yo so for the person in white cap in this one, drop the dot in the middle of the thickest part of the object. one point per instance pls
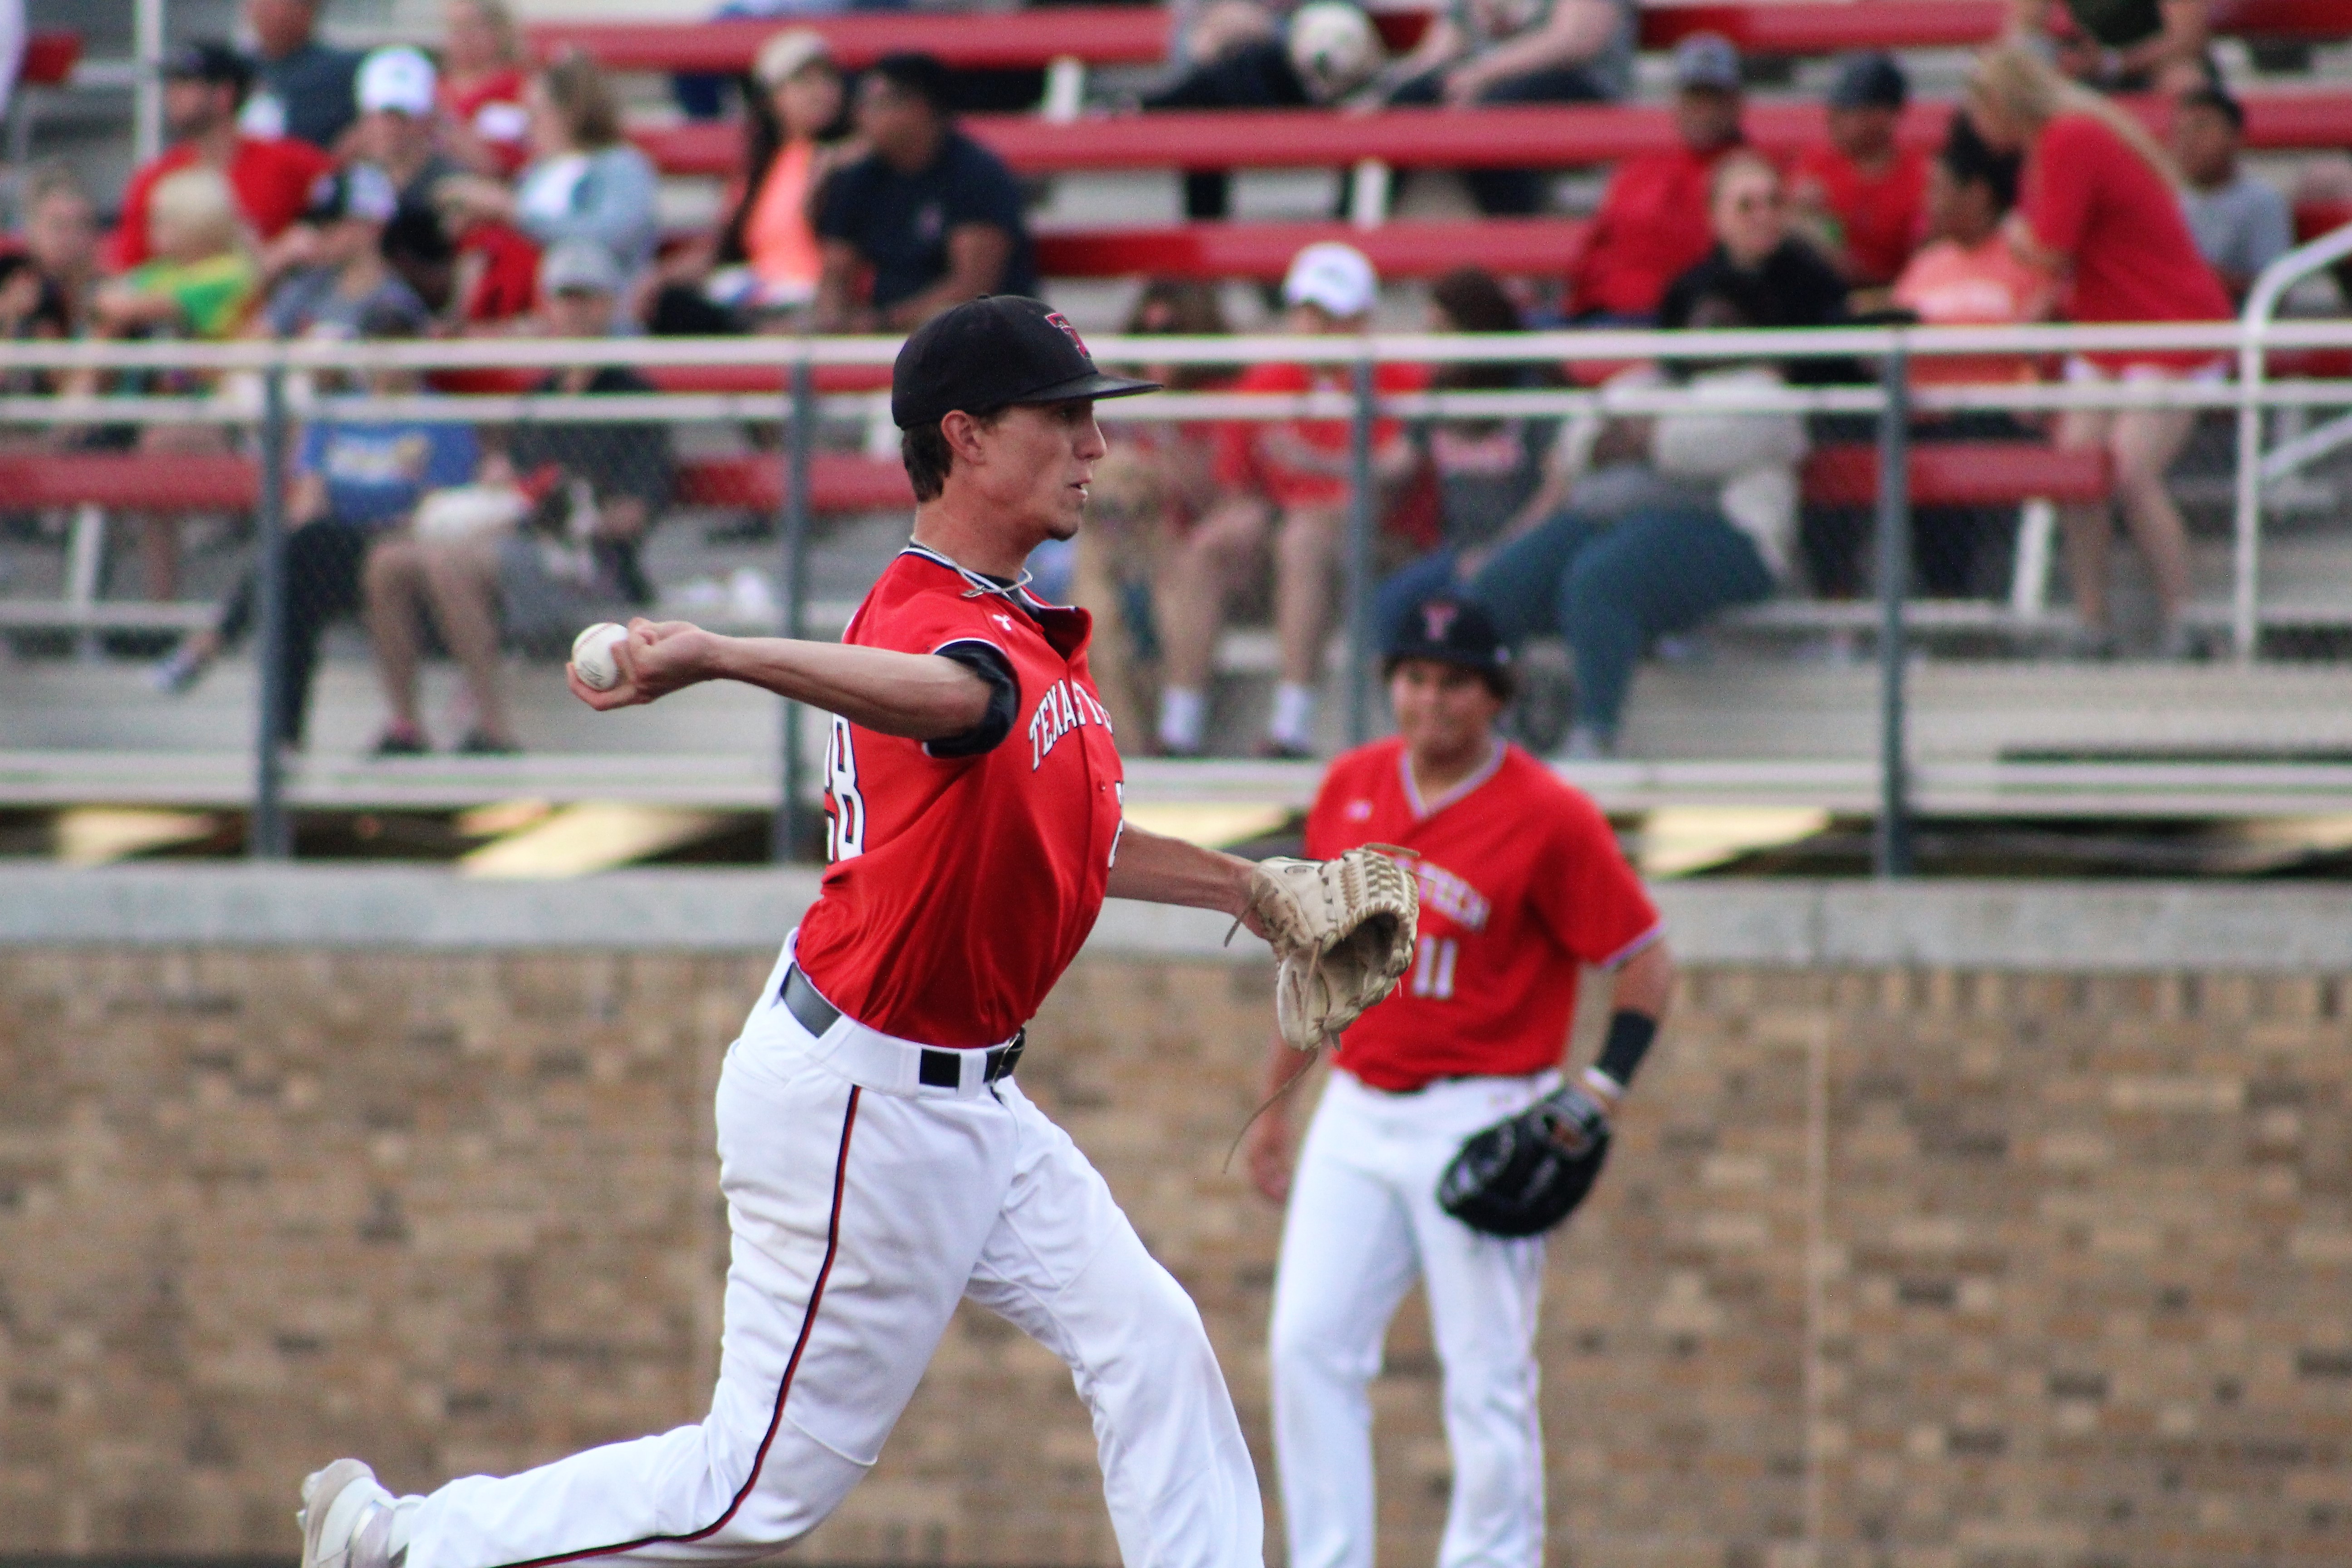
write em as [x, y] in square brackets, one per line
[398, 130]
[1284, 481]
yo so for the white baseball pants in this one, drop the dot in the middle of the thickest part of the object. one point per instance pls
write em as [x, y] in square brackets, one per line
[1363, 1225]
[859, 1217]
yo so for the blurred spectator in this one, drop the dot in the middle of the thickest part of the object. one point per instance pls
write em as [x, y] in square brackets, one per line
[1520, 51]
[1158, 480]
[1776, 278]
[584, 182]
[487, 127]
[933, 217]
[60, 236]
[1490, 472]
[345, 280]
[1861, 195]
[201, 281]
[764, 258]
[397, 130]
[1712, 524]
[31, 308]
[1287, 481]
[598, 488]
[421, 254]
[200, 278]
[1653, 222]
[1966, 276]
[203, 83]
[2121, 45]
[1237, 54]
[353, 481]
[2097, 207]
[303, 89]
[2242, 224]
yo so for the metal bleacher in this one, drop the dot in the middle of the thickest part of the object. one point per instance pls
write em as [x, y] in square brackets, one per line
[1778, 706]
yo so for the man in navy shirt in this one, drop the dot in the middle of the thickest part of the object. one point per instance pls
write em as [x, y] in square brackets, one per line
[302, 89]
[930, 217]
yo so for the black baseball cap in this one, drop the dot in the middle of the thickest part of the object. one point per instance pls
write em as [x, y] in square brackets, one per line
[1872, 80]
[207, 59]
[1454, 631]
[992, 352]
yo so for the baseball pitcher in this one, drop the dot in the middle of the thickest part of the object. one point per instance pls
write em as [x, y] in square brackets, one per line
[1448, 1141]
[879, 1161]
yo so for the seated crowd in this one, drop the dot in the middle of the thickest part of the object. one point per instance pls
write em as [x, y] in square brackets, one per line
[310, 193]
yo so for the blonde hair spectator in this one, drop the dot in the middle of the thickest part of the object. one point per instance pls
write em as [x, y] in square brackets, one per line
[2017, 88]
[193, 213]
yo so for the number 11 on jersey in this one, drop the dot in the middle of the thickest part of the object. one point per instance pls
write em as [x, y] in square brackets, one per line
[1432, 968]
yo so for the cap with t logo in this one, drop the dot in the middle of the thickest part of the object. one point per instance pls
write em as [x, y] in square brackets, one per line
[992, 352]
[1450, 631]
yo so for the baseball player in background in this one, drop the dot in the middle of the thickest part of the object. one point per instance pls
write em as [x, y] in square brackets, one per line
[879, 1161]
[1521, 882]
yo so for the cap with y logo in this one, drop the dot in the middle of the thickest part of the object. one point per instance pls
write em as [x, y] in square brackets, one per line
[992, 352]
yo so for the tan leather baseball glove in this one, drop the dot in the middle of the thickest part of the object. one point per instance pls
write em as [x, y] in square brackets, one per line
[1342, 931]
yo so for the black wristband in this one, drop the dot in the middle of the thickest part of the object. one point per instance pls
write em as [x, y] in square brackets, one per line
[1629, 1035]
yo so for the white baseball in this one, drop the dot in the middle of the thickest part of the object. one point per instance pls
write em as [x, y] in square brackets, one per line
[592, 656]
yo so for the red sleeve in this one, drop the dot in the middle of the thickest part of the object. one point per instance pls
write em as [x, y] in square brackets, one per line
[300, 167]
[2068, 164]
[1583, 285]
[126, 247]
[1592, 900]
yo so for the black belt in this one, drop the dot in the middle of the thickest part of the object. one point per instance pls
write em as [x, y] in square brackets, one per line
[939, 1068]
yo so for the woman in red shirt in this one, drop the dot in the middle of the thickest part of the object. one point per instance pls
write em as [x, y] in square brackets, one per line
[2099, 208]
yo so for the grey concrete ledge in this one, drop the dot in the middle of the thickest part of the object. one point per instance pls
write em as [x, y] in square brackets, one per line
[2043, 925]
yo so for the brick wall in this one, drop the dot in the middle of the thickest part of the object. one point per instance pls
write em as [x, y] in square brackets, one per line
[2083, 1241]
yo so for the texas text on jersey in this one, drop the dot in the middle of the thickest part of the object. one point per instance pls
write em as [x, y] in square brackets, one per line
[1521, 881]
[920, 836]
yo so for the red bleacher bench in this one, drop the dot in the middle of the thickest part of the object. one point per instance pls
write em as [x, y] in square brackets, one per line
[128, 481]
[1138, 34]
[181, 482]
[1964, 473]
[839, 483]
[1110, 34]
[1545, 136]
[1405, 249]
[49, 59]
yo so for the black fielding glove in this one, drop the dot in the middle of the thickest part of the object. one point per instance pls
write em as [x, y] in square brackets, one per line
[1523, 1176]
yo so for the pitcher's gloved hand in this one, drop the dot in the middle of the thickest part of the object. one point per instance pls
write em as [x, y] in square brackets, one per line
[1523, 1176]
[1342, 934]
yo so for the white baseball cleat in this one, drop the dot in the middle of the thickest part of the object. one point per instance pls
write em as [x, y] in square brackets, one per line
[346, 1517]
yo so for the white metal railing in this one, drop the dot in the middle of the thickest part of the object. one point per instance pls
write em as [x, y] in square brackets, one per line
[2259, 330]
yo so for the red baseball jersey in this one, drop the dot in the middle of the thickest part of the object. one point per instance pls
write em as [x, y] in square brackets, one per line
[1521, 882]
[960, 888]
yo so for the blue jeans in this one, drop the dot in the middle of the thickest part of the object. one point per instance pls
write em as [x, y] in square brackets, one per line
[1611, 588]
